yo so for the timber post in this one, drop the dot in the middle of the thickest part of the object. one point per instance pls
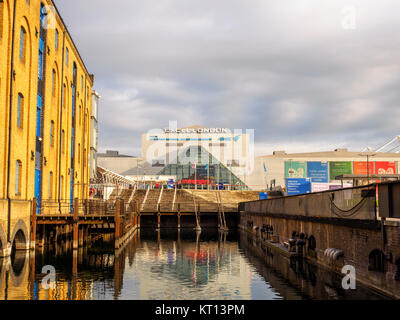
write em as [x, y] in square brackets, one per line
[75, 243]
[117, 222]
[33, 224]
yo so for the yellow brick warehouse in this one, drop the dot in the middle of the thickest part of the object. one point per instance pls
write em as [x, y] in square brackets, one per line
[45, 109]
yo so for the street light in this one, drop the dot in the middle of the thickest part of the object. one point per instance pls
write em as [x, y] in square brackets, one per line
[368, 155]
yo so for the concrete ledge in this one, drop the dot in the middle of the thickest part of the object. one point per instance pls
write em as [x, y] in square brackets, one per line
[361, 224]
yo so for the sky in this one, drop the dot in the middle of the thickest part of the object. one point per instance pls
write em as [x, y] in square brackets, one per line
[306, 75]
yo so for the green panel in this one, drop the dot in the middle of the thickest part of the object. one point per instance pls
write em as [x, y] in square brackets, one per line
[339, 168]
[295, 169]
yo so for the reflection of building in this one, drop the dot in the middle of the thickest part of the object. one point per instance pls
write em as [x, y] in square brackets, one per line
[321, 168]
[183, 266]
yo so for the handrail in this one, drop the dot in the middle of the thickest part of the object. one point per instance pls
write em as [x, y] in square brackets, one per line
[145, 198]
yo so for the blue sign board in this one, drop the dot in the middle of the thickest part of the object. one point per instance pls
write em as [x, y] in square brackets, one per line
[263, 195]
[318, 171]
[298, 186]
[171, 184]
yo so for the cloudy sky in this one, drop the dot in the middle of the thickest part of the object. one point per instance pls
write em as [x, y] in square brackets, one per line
[297, 72]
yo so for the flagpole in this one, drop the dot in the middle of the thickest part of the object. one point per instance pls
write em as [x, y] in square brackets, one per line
[208, 176]
[195, 175]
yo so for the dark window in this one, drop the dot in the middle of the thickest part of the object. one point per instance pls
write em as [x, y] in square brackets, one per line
[377, 261]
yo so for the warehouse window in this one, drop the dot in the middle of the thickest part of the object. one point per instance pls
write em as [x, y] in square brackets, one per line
[52, 133]
[376, 261]
[18, 172]
[84, 158]
[62, 187]
[64, 95]
[1, 17]
[50, 185]
[56, 39]
[66, 56]
[62, 141]
[53, 83]
[22, 41]
[20, 108]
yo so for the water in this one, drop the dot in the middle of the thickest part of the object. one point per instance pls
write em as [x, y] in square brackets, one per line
[172, 266]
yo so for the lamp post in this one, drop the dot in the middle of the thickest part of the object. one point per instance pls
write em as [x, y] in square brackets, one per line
[368, 155]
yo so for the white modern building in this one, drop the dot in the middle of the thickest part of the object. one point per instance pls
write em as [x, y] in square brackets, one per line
[321, 168]
[94, 140]
[233, 149]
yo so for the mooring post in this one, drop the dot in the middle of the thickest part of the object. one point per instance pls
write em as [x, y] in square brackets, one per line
[81, 236]
[158, 216]
[33, 224]
[138, 215]
[117, 222]
[75, 243]
[179, 215]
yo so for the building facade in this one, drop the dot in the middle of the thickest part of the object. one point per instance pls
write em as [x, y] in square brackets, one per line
[45, 109]
[94, 135]
[218, 149]
[320, 168]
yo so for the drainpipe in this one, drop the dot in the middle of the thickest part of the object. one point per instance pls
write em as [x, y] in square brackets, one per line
[84, 142]
[61, 127]
[10, 125]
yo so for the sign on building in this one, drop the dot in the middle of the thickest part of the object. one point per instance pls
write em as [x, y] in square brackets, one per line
[339, 168]
[295, 169]
[385, 167]
[318, 171]
[363, 167]
[296, 186]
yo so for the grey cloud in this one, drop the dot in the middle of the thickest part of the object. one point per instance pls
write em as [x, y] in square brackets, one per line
[288, 70]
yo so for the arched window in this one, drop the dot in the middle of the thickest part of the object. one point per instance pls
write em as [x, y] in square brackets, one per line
[376, 261]
[22, 44]
[18, 172]
[312, 243]
[20, 110]
[397, 275]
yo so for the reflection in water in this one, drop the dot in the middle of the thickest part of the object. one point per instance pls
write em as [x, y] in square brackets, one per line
[170, 264]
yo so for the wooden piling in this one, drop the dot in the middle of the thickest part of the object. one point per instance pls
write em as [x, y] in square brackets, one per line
[75, 243]
[33, 224]
[117, 222]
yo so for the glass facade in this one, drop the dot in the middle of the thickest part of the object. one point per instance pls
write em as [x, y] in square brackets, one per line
[196, 166]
